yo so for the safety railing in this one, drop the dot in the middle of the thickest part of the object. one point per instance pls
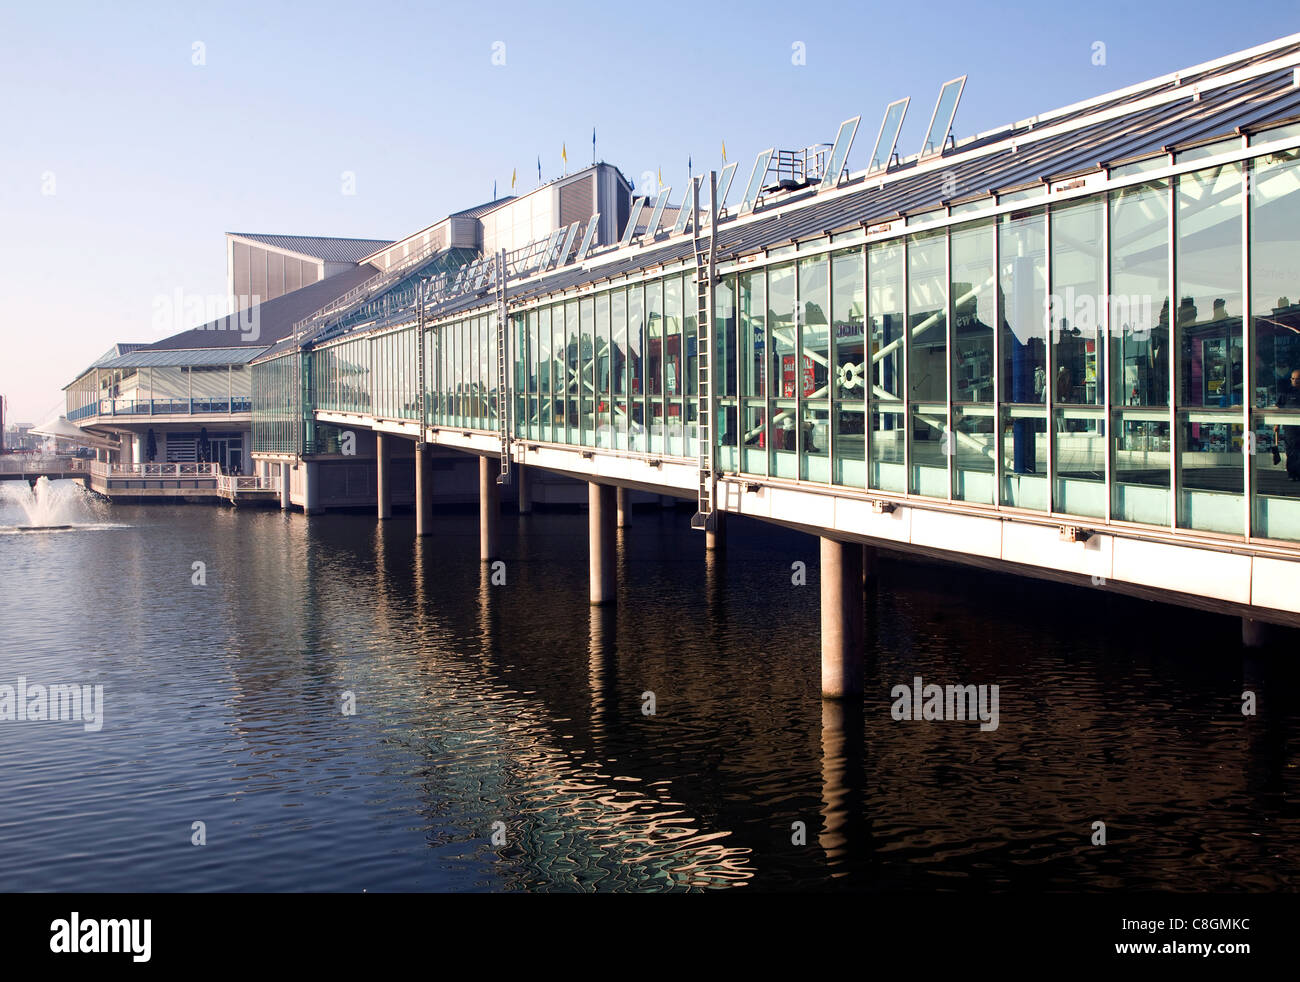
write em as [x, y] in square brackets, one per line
[164, 407]
[233, 484]
[174, 469]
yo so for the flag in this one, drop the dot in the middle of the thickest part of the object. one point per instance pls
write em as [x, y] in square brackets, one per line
[724, 151]
[514, 173]
[564, 155]
[690, 168]
[494, 190]
[661, 177]
[593, 144]
[539, 169]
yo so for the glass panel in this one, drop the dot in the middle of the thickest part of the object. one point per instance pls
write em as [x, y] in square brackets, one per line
[888, 135]
[1024, 458]
[1275, 343]
[780, 319]
[630, 230]
[572, 377]
[753, 381]
[688, 206]
[1021, 241]
[1080, 436]
[546, 404]
[587, 369]
[974, 283]
[927, 318]
[1141, 467]
[618, 368]
[637, 438]
[840, 152]
[885, 312]
[1077, 304]
[674, 384]
[944, 111]
[848, 320]
[690, 365]
[657, 215]
[756, 180]
[1209, 325]
[1139, 286]
[654, 302]
[1139, 318]
[814, 369]
[587, 238]
[726, 420]
[973, 453]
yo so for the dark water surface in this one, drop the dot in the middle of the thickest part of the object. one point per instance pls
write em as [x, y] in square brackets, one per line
[518, 704]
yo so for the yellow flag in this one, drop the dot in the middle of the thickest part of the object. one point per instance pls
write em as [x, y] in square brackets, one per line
[661, 177]
[724, 151]
[564, 152]
[513, 174]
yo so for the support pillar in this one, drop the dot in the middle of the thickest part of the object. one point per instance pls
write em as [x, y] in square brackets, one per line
[602, 534]
[843, 637]
[524, 485]
[310, 488]
[667, 502]
[624, 508]
[423, 488]
[1254, 634]
[716, 538]
[285, 484]
[383, 475]
[489, 507]
[125, 455]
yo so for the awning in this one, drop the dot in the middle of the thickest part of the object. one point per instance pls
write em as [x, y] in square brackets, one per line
[61, 429]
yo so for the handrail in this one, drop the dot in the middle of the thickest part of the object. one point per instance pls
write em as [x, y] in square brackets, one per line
[171, 469]
[367, 288]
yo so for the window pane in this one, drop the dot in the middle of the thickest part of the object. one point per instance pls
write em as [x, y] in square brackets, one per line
[1077, 304]
[1139, 318]
[814, 368]
[1211, 463]
[848, 335]
[1021, 242]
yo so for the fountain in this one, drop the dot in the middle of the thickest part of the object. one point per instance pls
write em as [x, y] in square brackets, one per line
[48, 506]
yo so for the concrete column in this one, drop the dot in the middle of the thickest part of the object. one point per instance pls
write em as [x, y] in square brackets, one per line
[383, 475]
[843, 638]
[523, 483]
[489, 507]
[126, 455]
[285, 482]
[310, 488]
[603, 538]
[667, 501]
[1254, 634]
[717, 538]
[423, 488]
[624, 508]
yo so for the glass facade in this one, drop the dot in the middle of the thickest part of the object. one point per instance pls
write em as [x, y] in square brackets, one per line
[1130, 356]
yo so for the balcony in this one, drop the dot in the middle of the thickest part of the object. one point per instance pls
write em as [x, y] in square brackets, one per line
[162, 407]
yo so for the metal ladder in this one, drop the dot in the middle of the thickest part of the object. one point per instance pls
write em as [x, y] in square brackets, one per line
[705, 267]
[503, 366]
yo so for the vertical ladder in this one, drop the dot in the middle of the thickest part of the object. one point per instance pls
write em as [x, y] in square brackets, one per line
[503, 399]
[705, 267]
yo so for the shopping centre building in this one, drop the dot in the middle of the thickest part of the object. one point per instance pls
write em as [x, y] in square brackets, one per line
[1064, 346]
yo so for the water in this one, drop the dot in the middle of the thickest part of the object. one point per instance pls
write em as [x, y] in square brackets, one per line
[518, 704]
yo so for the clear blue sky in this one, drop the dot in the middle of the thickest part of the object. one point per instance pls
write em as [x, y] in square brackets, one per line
[153, 158]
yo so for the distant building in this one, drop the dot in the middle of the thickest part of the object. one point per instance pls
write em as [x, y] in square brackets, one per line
[269, 266]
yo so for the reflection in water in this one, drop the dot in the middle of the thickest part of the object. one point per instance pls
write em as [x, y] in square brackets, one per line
[519, 703]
